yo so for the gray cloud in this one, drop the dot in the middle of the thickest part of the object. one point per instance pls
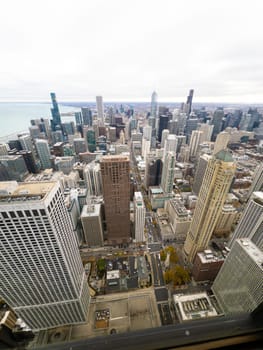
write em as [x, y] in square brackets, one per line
[124, 50]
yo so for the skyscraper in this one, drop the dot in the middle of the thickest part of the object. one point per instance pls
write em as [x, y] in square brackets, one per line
[92, 177]
[41, 275]
[257, 183]
[13, 167]
[163, 124]
[189, 102]
[43, 153]
[116, 192]
[139, 216]
[207, 132]
[215, 186]
[165, 134]
[195, 142]
[239, 284]
[221, 142]
[92, 225]
[251, 222]
[217, 121]
[100, 109]
[154, 105]
[153, 170]
[191, 124]
[87, 115]
[168, 172]
[200, 172]
[56, 119]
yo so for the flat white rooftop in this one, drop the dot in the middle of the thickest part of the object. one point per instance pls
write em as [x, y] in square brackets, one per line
[194, 306]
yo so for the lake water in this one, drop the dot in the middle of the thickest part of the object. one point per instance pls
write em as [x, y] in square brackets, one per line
[15, 117]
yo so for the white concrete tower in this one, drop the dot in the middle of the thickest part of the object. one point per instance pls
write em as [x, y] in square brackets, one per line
[168, 173]
[139, 216]
[100, 109]
[41, 276]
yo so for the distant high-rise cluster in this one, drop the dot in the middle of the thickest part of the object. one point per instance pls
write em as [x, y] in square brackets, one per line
[95, 200]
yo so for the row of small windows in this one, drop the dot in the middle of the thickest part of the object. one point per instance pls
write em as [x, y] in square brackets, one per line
[21, 214]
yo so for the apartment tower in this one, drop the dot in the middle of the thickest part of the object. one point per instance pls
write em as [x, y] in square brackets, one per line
[215, 186]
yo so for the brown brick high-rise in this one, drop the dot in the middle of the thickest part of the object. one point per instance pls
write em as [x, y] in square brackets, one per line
[116, 191]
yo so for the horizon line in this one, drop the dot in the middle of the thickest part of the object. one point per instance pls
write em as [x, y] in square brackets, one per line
[129, 101]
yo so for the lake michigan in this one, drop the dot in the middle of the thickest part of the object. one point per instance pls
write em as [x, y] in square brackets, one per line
[15, 116]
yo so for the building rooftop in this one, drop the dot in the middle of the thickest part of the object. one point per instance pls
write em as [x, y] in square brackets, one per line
[224, 156]
[253, 251]
[115, 158]
[11, 191]
[194, 306]
[91, 210]
[156, 190]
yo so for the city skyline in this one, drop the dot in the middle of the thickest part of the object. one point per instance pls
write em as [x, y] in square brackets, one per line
[127, 51]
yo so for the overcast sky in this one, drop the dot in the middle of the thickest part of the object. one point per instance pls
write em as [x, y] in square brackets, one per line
[125, 49]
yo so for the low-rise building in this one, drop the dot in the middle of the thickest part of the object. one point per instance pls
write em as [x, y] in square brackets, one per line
[193, 306]
[206, 265]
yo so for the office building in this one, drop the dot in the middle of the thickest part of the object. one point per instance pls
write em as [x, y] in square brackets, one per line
[26, 143]
[100, 109]
[58, 149]
[146, 147]
[195, 141]
[257, 183]
[147, 132]
[227, 219]
[64, 164]
[217, 122]
[189, 101]
[251, 222]
[179, 217]
[207, 132]
[139, 217]
[112, 134]
[56, 119]
[154, 105]
[207, 265]
[170, 144]
[41, 278]
[165, 134]
[14, 144]
[12, 167]
[167, 180]
[78, 118]
[218, 176]
[4, 148]
[92, 225]
[30, 162]
[43, 152]
[221, 142]
[163, 124]
[153, 170]
[191, 125]
[200, 172]
[116, 192]
[79, 145]
[90, 139]
[93, 180]
[239, 284]
[181, 141]
[86, 116]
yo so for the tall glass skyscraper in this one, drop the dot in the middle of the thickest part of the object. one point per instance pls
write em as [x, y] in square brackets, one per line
[56, 119]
